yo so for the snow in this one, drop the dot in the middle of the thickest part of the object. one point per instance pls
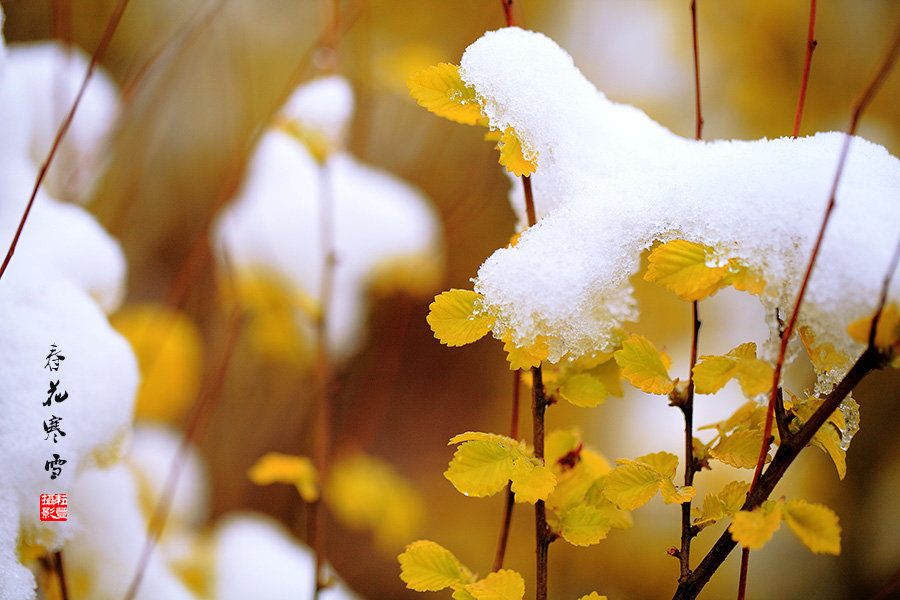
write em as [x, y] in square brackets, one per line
[610, 182]
[379, 221]
[65, 275]
[255, 557]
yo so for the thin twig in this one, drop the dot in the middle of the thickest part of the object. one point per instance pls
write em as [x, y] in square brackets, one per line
[690, 466]
[810, 46]
[789, 448]
[699, 129]
[60, 575]
[508, 12]
[542, 531]
[510, 497]
[208, 396]
[858, 109]
[324, 370]
[882, 299]
[111, 25]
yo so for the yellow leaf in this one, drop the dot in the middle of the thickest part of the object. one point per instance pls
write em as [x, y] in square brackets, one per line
[560, 443]
[618, 518]
[610, 376]
[169, 351]
[743, 279]
[822, 356]
[512, 155]
[366, 494]
[642, 366]
[683, 268]
[713, 372]
[582, 389]
[531, 481]
[276, 467]
[663, 463]
[441, 90]
[740, 449]
[828, 439]
[752, 529]
[456, 317]
[429, 567]
[816, 525]
[504, 584]
[481, 467]
[887, 337]
[733, 495]
[593, 596]
[713, 510]
[525, 357]
[583, 525]
[672, 494]
[631, 485]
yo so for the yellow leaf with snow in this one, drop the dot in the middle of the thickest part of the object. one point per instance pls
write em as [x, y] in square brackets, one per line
[525, 357]
[752, 529]
[682, 267]
[643, 366]
[440, 89]
[456, 317]
[822, 356]
[887, 335]
[816, 525]
[169, 351]
[512, 155]
[276, 467]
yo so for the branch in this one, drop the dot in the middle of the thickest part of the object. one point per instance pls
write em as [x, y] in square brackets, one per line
[111, 25]
[510, 497]
[208, 395]
[810, 46]
[699, 131]
[60, 575]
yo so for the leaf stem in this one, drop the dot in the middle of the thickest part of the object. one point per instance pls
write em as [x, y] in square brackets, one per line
[810, 46]
[694, 36]
[111, 26]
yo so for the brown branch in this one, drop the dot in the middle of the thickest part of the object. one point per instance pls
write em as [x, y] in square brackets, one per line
[60, 575]
[690, 465]
[510, 497]
[543, 536]
[508, 12]
[787, 452]
[208, 396]
[111, 25]
[789, 448]
[810, 46]
[324, 367]
[699, 129]
[882, 299]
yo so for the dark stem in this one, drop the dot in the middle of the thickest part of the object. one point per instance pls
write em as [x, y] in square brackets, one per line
[510, 497]
[742, 581]
[690, 467]
[790, 447]
[508, 12]
[788, 450]
[529, 200]
[111, 25]
[542, 531]
[324, 368]
[208, 395]
[699, 130]
[882, 300]
[810, 46]
[60, 575]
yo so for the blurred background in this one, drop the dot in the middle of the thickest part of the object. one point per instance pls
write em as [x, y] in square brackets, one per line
[200, 79]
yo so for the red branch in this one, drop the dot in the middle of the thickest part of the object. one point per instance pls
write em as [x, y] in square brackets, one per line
[111, 26]
[810, 46]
